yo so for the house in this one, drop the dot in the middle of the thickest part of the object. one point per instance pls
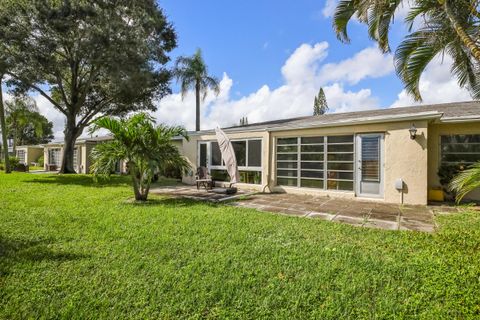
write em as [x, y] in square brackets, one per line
[28, 154]
[53, 153]
[392, 155]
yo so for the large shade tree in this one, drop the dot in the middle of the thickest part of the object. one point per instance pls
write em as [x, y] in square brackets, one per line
[147, 149]
[88, 58]
[192, 73]
[435, 27]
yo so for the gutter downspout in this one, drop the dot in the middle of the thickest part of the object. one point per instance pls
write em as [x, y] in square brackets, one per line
[269, 155]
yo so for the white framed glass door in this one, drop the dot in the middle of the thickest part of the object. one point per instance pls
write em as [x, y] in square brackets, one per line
[370, 165]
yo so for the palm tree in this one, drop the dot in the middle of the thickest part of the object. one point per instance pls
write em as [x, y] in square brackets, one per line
[146, 149]
[192, 73]
[21, 113]
[446, 29]
[466, 181]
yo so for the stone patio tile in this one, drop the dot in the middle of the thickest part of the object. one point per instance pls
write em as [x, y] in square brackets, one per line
[417, 226]
[349, 220]
[291, 212]
[320, 215]
[381, 224]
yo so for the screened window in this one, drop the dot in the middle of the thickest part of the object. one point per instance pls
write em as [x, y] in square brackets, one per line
[75, 158]
[216, 155]
[460, 149]
[203, 155]
[248, 153]
[316, 162]
[54, 157]
[21, 156]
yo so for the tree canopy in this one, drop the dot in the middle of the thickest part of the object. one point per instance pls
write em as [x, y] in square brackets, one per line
[88, 58]
[320, 105]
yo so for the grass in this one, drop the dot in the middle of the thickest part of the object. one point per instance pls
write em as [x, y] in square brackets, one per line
[73, 249]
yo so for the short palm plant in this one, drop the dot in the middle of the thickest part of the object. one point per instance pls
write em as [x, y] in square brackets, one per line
[466, 181]
[146, 149]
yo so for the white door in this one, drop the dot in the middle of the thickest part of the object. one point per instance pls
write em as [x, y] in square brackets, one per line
[369, 157]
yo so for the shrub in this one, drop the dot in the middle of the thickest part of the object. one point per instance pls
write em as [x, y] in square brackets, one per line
[41, 161]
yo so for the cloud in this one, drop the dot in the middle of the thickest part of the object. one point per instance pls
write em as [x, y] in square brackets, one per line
[368, 63]
[303, 75]
[329, 8]
[437, 85]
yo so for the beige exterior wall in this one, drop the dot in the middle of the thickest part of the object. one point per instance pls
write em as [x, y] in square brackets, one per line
[437, 130]
[190, 151]
[32, 153]
[403, 158]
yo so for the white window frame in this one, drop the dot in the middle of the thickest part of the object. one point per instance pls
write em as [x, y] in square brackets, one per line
[23, 158]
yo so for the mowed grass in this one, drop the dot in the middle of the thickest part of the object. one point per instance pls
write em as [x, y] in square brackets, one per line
[74, 249]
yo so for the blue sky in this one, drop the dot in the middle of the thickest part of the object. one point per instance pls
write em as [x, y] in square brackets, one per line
[250, 40]
[263, 48]
[273, 56]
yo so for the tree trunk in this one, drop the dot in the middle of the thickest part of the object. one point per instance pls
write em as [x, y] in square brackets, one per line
[197, 104]
[462, 34]
[3, 127]
[72, 132]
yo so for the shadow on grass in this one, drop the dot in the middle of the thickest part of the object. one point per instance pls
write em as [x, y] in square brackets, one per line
[14, 251]
[82, 180]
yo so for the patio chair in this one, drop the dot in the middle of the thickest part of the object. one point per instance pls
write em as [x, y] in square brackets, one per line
[202, 178]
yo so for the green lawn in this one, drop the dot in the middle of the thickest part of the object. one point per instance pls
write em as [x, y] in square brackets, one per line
[73, 249]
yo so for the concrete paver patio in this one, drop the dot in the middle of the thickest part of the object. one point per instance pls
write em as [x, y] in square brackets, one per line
[351, 211]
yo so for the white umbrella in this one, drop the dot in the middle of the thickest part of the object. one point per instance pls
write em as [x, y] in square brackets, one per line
[228, 155]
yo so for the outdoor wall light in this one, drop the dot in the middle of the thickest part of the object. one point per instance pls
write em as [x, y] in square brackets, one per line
[413, 132]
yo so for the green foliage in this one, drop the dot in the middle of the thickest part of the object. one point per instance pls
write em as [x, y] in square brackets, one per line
[41, 161]
[435, 27]
[26, 124]
[88, 57]
[192, 73]
[74, 249]
[466, 181]
[320, 105]
[146, 149]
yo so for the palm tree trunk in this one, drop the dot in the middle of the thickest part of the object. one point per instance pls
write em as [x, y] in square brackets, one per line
[462, 34]
[197, 104]
[3, 127]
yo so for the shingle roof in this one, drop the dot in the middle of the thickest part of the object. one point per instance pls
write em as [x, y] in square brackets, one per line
[469, 110]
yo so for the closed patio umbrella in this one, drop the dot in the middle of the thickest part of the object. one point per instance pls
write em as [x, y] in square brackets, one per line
[228, 155]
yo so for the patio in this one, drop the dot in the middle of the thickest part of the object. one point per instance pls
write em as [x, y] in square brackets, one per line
[354, 212]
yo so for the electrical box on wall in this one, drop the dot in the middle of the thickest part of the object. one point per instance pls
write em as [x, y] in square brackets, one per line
[399, 184]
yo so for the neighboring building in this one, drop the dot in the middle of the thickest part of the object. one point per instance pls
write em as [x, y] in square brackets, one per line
[53, 153]
[367, 154]
[28, 154]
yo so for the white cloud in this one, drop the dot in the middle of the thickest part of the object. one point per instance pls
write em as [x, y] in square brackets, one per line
[329, 8]
[368, 63]
[436, 85]
[303, 75]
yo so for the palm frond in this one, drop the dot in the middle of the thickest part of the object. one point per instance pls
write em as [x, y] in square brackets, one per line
[466, 181]
[342, 16]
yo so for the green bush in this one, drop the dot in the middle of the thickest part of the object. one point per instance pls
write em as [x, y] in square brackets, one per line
[40, 161]
[14, 161]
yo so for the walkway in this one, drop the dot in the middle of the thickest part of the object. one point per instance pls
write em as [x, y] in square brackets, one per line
[350, 211]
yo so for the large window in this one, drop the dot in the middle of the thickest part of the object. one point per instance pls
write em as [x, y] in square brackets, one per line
[460, 149]
[54, 156]
[75, 158]
[21, 156]
[248, 153]
[310, 161]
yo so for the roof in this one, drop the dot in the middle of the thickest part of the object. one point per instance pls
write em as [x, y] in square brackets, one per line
[446, 112]
[83, 140]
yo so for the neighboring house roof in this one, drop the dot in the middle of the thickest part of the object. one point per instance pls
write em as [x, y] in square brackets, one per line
[82, 140]
[447, 112]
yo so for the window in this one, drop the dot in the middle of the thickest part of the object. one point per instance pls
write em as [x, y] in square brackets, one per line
[460, 149]
[316, 162]
[203, 155]
[75, 158]
[21, 156]
[54, 156]
[248, 153]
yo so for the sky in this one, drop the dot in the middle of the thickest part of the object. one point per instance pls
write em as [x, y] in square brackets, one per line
[271, 58]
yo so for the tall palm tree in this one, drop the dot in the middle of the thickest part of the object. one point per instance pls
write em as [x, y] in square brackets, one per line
[192, 73]
[447, 27]
[21, 112]
[146, 149]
